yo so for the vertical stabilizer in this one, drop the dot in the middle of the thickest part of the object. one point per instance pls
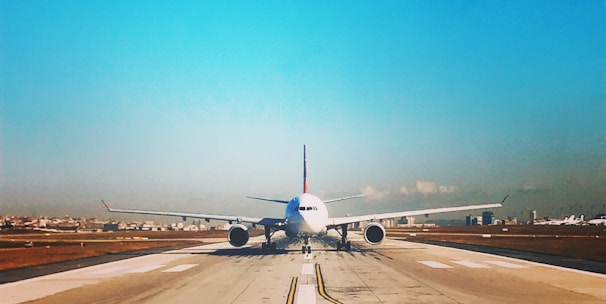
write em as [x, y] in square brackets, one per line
[305, 185]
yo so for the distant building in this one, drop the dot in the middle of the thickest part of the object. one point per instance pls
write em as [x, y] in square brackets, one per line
[388, 223]
[472, 220]
[110, 227]
[407, 221]
[511, 220]
[487, 217]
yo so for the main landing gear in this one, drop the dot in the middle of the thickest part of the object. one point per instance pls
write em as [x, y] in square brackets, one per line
[343, 244]
[268, 245]
[306, 247]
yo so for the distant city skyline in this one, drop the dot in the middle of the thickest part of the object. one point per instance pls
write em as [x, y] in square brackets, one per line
[192, 106]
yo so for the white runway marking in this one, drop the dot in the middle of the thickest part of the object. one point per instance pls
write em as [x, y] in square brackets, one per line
[180, 268]
[39, 287]
[143, 269]
[307, 269]
[471, 264]
[114, 269]
[434, 264]
[306, 294]
[505, 264]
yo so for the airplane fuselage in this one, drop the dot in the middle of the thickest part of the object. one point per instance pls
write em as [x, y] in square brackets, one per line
[306, 216]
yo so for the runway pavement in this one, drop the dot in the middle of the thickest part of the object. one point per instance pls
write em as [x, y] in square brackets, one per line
[393, 272]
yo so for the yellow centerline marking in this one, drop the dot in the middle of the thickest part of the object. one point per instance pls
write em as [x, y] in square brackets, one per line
[321, 289]
[291, 293]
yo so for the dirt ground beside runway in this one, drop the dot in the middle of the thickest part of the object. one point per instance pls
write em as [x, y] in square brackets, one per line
[579, 242]
[58, 247]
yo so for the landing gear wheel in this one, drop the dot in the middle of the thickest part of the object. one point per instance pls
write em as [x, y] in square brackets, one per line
[343, 244]
[268, 245]
[303, 249]
[308, 249]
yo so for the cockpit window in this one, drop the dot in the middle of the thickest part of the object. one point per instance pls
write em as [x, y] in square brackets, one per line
[302, 208]
[309, 208]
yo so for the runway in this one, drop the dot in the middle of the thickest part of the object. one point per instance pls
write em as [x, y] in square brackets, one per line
[393, 272]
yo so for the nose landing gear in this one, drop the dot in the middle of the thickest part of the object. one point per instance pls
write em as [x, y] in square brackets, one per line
[306, 247]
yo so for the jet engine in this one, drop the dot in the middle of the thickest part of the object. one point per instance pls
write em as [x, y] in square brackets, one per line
[374, 233]
[237, 235]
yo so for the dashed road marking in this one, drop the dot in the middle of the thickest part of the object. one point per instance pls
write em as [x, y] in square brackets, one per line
[307, 269]
[180, 268]
[306, 294]
[471, 264]
[113, 269]
[434, 264]
[146, 268]
[506, 264]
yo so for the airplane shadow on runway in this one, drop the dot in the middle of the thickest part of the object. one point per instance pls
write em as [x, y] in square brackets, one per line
[285, 245]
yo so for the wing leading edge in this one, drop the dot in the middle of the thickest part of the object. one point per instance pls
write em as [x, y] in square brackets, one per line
[276, 222]
[336, 221]
[286, 202]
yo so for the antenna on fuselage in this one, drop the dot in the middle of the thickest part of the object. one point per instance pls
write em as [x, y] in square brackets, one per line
[305, 184]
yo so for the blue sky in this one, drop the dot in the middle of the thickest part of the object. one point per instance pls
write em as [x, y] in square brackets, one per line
[193, 105]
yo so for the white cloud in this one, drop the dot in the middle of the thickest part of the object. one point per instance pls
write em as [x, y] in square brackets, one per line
[426, 187]
[373, 194]
[529, 188]
[447, 189]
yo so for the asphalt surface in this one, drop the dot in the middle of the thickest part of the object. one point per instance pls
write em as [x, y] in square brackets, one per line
[20, 274]
[556, 260]
[393, 272]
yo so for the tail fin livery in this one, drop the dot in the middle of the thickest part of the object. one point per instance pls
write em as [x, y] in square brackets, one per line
[305, 184]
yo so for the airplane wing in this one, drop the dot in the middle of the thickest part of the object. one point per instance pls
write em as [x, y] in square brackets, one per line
[268, 199]
[335, 221]
[286, 202]
[342, 198]
[276, 222]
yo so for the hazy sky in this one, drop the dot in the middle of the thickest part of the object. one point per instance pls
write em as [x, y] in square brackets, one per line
[193, 105]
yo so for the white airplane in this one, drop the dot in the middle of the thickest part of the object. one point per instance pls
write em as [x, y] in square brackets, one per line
[566, 221]
[598, 221]
[576, 221]
[305, 217]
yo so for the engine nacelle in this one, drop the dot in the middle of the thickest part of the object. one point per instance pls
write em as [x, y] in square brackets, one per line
[374, 233]
[237, 235]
